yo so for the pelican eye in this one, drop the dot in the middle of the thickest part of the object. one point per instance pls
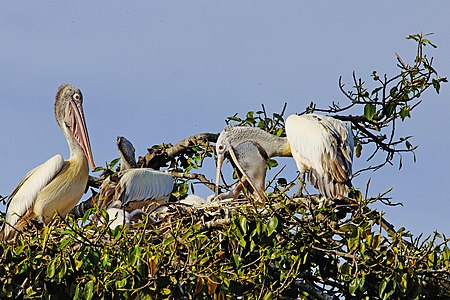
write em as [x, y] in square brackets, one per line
[221, 147]
[76, 97]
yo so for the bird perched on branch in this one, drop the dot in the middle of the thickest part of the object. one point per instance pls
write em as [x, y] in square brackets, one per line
[249, 158]
[57, 185]
[322, 146]
[136, 188]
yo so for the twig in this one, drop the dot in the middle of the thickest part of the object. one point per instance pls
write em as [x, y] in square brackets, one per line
[199, 177]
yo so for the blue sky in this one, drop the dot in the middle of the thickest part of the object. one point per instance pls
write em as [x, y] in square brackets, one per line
[161, 71]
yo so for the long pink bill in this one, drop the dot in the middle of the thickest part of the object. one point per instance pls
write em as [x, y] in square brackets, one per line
[80, 131]
[220, 159]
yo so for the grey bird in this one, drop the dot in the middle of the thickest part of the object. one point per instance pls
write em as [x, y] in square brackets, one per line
[136, 188]
[321, 146]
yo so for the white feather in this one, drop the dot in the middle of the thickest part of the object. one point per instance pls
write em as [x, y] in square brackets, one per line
[144, 184]
[322, 145]
[26, 192]
[117, 217]
[193, 200]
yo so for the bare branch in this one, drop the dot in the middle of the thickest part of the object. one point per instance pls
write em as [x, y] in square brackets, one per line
[158, 157]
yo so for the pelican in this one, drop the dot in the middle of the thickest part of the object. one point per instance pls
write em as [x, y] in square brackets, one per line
[195, 200]
[57, 185]
[136, 188]
[250, 160]
[118, 216]
[321, 146]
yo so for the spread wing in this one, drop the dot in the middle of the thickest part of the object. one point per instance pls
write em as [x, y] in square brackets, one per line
[323, 146]
[26, 192]
[144, 184]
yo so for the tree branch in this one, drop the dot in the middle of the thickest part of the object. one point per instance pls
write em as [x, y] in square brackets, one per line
[158, 157]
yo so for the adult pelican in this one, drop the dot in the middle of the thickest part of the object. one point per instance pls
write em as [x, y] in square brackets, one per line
[136, 188]
[322, 146]
[57, 185]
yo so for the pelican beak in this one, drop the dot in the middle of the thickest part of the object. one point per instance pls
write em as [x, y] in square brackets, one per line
[220, 159]
[78, 128]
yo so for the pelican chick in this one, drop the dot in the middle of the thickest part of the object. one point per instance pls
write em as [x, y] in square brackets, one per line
[136, 188]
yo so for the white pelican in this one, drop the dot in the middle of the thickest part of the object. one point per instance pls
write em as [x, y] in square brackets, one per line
[56, 185]
[136, 188]
[321, 146]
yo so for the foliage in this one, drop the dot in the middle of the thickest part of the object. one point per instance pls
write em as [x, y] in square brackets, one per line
[391, 100]
[290, 248]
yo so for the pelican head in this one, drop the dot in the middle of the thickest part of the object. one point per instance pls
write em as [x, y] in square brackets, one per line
[127, 153]
[70, 117]
[223, 146]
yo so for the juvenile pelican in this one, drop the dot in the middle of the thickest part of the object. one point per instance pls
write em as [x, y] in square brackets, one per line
[118, 216]
[136, 188]
[321, 146]
[56, 185]
[250, 160]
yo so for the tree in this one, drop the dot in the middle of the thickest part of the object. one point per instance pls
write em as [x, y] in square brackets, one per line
[290, 248]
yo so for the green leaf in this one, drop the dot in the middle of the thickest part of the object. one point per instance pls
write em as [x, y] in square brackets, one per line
[234, 118]
[183, 189]
[382, 287]
[353, 240]
[405, 112]
[369, 111]
[114, 162]
[62, 271]
[89, 290]
[243, 224]
[77, 291]
[271, 163]
[97, 169]
[65, 241]
[121, 283]
[268, 296]
[348, 227]
[29, 292]
[169, 241]
[51, 269]
[353, 286]
[272, 225]
[390, 108]
[135, 255]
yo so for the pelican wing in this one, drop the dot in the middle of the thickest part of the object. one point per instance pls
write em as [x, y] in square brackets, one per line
[26, 192]
[323, 146]
[144, 184]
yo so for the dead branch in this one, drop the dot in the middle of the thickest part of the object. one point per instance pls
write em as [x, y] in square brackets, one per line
[199, 177]
[158, 157]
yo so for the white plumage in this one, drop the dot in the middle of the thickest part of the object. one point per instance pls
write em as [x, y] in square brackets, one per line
[323, 147]
[136, 187]
[56, 185]
[118, 216]
[26, 192]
